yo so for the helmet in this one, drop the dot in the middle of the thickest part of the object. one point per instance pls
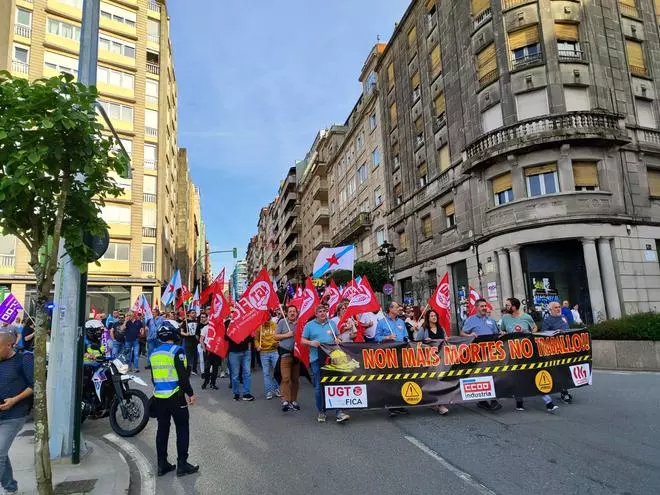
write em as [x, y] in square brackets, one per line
[169, 330]
[93, 331]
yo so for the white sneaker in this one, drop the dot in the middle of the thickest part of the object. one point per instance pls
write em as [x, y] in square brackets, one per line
[321, 418]
[222, 375]
[341, 417]
[278, 393]
[269, 396]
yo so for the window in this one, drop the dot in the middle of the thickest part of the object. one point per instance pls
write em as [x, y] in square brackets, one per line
[117, 14]
[375, 158]
[373, 123]
[350, 186]
[654, 182]
[576, 99]
[148, 253]
[366, 245]
[585, 174]
[128, 146]
[380, 237]
[414, 83]
[542, 180]
[363, 174]
[636, 58]
[365, 206]
[117, 111]
[629, 7]
[61, 63]
[487, 65]
[492, 118]
[390, 75]
[398, 194]
[439, 106]
[342, 197]
[395, 156]
[7, 245]
[360, 141]
[22, 56]
[412, 38]
[63, 29]
[427, 226]
[150, 156]
[436, 62]
[645, 114]
[151, 122]
[115, 45]
[479, 6]
[117, 252]
[532, 104]
[116, 214]
[371, 82]
[115, 78]
[149, 217]
[403, 240]
[419, 131]
[393, 115]
[524, 46]
[443, 158]
[23, 18]
[73, 3]
[423, 174]
[378, 197]
[150, 184]
[502, 189]
[152, 91]
[567, 41]
[153, 31]
[450, 215]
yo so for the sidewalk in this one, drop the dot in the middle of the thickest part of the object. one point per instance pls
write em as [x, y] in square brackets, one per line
[102, 469]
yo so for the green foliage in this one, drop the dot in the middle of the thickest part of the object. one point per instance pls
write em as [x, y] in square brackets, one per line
[49, 139]
[642, 326]
[375, 273]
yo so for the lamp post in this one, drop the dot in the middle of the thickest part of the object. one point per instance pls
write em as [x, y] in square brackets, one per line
[387, 252]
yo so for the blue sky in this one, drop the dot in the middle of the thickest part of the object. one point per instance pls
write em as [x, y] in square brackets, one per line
[255, 85]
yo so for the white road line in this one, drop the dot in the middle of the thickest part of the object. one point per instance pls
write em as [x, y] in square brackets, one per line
[147, 476]
[466, 477]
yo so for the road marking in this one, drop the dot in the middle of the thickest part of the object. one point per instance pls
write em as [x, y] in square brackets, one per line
[466, 477]
[626, 372]
[147, 476]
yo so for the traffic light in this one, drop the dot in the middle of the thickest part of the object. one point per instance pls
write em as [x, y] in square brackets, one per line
[234, 252]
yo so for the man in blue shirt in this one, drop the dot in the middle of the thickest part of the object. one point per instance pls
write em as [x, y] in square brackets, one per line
[391, 328]
[319, 331]
[557, 322]
[566, 312]
[475, 326]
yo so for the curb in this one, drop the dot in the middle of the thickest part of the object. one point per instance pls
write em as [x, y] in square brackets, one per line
[132, 455]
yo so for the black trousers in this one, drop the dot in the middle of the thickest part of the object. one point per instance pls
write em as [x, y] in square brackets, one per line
[190, 347]
[212, 363]
[172, 408]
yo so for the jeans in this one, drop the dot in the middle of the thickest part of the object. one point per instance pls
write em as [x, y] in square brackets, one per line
[268, 362]
[290, 369]
[236, 360]
[134, 354]
[152, 344]
[9, 428]
[117, 348]
[315, 368]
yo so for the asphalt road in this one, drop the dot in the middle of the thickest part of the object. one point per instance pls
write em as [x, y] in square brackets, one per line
[607, 441]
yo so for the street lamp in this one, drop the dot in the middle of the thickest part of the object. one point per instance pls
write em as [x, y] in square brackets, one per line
[387, 251]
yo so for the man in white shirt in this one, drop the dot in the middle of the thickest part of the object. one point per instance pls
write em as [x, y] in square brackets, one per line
[370, 321]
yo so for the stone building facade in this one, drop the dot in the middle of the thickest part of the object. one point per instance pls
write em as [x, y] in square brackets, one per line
[523, 155]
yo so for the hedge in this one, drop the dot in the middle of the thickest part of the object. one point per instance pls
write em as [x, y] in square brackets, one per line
[641, 326]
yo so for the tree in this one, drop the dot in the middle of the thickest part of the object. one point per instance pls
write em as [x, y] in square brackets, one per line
[375, 272]
[56, 169]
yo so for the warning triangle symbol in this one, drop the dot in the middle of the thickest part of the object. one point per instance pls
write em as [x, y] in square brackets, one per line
[544, 379]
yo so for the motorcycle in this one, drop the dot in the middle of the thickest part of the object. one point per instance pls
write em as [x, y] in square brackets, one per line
[107, 393]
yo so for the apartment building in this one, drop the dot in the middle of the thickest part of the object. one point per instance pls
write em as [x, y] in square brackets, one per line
[523, 152]
[137, 88]
[357, 187]
[286, 213]
[189, 225]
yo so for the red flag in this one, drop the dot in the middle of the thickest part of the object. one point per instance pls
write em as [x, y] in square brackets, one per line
[334, 297]
[363, 300]
[309, 300]
[472, 308]
[439, 302]
[220, 309]
[253, 308]
[297, 299]
[217, 284]
[360, 328]
[185, 296]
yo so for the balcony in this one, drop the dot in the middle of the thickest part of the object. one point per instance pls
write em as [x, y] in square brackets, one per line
[538, 132]
[148, 267]
[289, 215]
[629, 11]
[319, 189]
[20, 67]
[488, 78]
[289, 200]
[154, 5]
[291, 247]
[361, 222]
[7, 260]
[572, 56]
[149, 197]
[153, 38]
[150, 164]
[525, 61]
[419, 141]
[321, 242]
[439, 122]
[21, 30]
[321, 216]
[482, 17]
[289, 268]
[153, 68]
[151, 131]
[148, 231]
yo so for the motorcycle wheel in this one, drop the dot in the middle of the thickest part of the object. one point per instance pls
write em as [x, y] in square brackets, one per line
[137, 406]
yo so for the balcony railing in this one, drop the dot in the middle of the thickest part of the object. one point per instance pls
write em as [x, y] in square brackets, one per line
[629, 10]
[357, 225]
[440, 121]
[572, 125]
[520, 62]
[649, 136]
[148, 231]
[7, 260]
[21, 67]
[21, 30]
[150, 164]
[148, 267]
[153, 68]
[571, 56]
[488, 77]
[153, 5]
[638, 71]
[509, 4]
[153, 38]
[319, 188]
[149, 197]
[321, 216]
[482, 17]
[151, 131]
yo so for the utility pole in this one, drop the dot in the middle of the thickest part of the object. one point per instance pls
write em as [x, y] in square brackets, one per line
[66, 350]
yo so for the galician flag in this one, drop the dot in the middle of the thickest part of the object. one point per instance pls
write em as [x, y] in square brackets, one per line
[170, 293]
[195, 305]
[336, 258]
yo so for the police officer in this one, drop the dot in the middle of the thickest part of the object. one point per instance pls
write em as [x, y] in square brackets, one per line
[172, 396]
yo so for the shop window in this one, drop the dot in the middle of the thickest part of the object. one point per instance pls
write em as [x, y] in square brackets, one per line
[542, 180]
[585, 174]
[502, 189]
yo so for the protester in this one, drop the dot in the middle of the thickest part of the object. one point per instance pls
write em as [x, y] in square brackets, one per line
[319, 331]
[392, 327]
[266, 345]
[118, 335]
[430, 329]
[289, 365]
[188, 332]
[576, 315]
[554, 322]
[411, 323]
[152, 329]
[16, 386]
[133, 330]
[111, 319]
[475, 326]
[370, 321]
[27, 334]
[566, 312]
[348, 330]
[212, 361]
[239, 357]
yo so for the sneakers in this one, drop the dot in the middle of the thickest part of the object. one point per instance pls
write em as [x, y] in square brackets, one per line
[163, 468]
[194, 374]
[222, 374]
[186, 468]
[550, 407]
[237, 397]
[495, 406]
[269, 395]
[137, 370]
[321, 418]
[398, 411]
[295, 406]
[442, 410]
[520, 406]
[248, 397]
[204, 385]
[341, 417]
[286, 406]
[278, 393]
[566, 397]
[214, 386]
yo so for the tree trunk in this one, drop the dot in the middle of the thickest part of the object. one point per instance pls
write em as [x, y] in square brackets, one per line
[42, 466]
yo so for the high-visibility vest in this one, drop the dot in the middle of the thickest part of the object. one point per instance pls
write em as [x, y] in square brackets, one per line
[163, 371]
